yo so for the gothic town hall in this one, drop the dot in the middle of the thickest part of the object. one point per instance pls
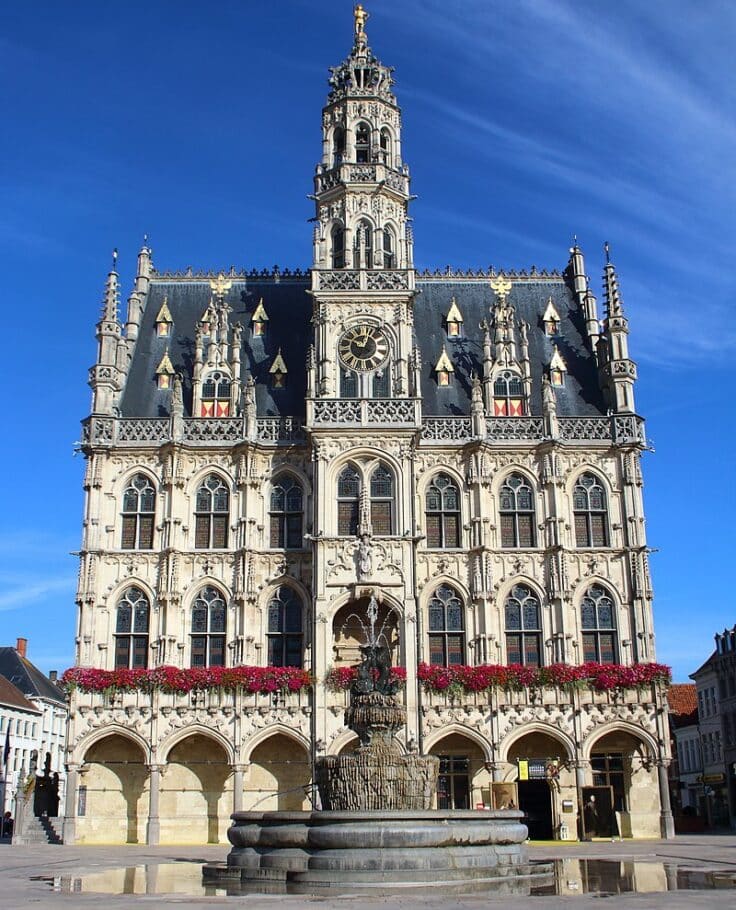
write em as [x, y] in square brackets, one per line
[268, 451]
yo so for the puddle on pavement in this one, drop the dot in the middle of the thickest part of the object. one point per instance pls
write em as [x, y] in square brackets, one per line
[570, 876]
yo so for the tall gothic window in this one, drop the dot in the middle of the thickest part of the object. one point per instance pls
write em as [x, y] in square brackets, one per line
[381, 383]
[385, 140]
[338, 146]
[516, 502]
[348, 383]
[446, 628]
[389, 249]
[285, 629]
[363, 143]
[442, 516]
[363, 254]
[508, 395]
[382, 501]
[598, 622]
[216, 396]
[131, 630]
[591, 512]
[208, 628]
[139, 506]
[338, 247]
[348, 501]
[212, 513]
[286, 513]
[523, 627]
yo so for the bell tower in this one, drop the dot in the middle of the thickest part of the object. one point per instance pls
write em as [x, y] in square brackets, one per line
[362, 274]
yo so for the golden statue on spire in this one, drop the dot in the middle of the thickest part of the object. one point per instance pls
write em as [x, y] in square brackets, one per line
[361, 17]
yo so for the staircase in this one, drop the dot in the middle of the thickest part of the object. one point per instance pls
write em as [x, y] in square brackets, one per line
[40, 831]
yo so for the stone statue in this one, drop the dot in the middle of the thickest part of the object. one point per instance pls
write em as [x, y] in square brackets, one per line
[365, 557]
[549, 399]
[177, 397]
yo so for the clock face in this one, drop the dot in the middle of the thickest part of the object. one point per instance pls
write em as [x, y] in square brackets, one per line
[363, 347]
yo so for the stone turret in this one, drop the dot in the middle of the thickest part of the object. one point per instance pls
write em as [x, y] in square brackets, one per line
[105, 377]
[617, 371]
[575, 271]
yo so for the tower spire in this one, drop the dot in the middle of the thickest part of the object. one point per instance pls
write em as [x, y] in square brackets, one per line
[618, 372]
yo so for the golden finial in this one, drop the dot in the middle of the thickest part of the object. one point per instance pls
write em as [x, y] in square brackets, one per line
[220, 286]
[361, 17]
[501, 287]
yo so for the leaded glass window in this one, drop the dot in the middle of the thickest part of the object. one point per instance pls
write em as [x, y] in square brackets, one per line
[212, 513]
[591, 512]
[209, 617]
[382, 501]
[363, 143]
[381, 383]
[598, 623]
[442, 516]
[522, 613]
[139, 507]
[446, 628]
[286, 513]
[389, 249]
[131, 630]
[348, 384]
[508, 395]
[216, 396]
[516, 500]
[285, 629]
[363, 246]
[348, 501]
[338, 247]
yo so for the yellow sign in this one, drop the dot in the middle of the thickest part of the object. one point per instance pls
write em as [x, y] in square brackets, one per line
[523, 769]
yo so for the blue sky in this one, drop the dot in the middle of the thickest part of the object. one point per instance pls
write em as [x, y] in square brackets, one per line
[525, 122]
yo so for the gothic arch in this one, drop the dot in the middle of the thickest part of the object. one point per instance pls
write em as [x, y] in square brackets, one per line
[619, 726]
[432, 739]
[365, 460]
[203, 473]
[282, 468]
[80, 749]
[431, 473]
[177, 736]
[525, 472]
[111, 598]
[344, 738]
[191, 590]
[584, 584]
[123, 480]
[536, 727]
[600, 475]
[273, 730]
[431, 585]
[505, 589]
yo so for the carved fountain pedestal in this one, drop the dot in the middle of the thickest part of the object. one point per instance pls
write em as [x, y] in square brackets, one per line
[377, 827]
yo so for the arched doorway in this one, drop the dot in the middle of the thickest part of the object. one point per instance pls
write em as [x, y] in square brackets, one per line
[112, 801]
[624, 783]
[545, 787]
[279, 775]
[349, 631]
[196, 792]
[463, 781]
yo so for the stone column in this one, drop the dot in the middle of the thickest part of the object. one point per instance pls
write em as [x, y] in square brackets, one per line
[581, 767]
[666, 821]
[153, 827]
[70, 804]
[238, 778]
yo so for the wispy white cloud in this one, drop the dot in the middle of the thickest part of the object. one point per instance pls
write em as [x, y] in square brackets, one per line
[34, 590]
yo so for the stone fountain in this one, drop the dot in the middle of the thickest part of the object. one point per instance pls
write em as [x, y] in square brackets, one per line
[376, 827]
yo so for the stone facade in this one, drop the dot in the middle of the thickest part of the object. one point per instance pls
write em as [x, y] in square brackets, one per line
[267, 451]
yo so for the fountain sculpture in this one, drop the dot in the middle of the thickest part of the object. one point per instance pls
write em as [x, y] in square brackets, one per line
[376, 826]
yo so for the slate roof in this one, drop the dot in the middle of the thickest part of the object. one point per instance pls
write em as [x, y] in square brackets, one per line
[12, 697]
[289, 310]
[29, 679]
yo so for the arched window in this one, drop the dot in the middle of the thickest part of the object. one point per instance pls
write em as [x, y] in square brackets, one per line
[591, 512]
[348, 501]
[381, 382]
[131, 630]
[215, 396]
[389, 249]
[348, 384]
[211, 514]
[285, 629]
[363, 249]
[338, 146]
[139, 506]
[523, 627]
[382, 501]
[442, 516]
[385, 146]
[446, 628]
[286, 513]
[508, 395]
[338, 247]
[598, 622]
[363, 143]
[209, 617]
[516, 502]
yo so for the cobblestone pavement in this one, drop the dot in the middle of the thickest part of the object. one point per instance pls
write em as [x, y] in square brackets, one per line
[23, 870]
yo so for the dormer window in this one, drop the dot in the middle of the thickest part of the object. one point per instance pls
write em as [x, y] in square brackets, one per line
[551, 319]
[444, 370]
[164, 320]
[454, 321]
[557, 369]
[164, 372]
[259, 320]
[278, 372]
[216, 396]
[362, 144]
[508, 395]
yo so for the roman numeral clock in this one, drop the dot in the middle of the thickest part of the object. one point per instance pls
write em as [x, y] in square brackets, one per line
[363, 347]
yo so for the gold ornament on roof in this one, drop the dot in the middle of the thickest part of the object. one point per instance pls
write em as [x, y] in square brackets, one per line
[501, 286]
[361, 17]
[220, 286]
